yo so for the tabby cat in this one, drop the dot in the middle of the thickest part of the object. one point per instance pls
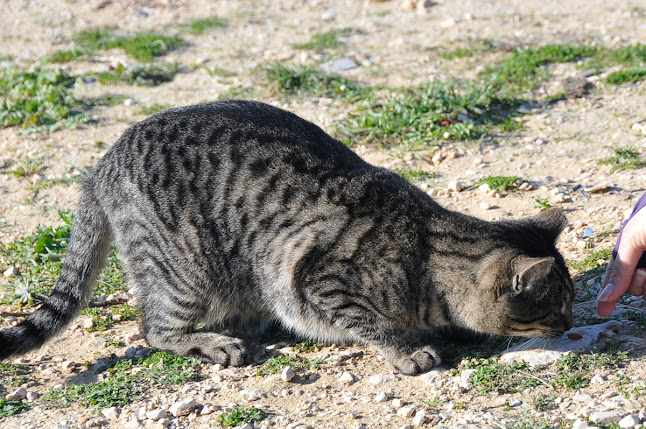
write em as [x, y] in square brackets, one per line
[236, 214]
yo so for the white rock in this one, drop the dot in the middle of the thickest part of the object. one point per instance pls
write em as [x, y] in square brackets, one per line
[287, 374]
[557, 199]
[131, 337]
[598, 379]
[465, 376]
[111, 413]
[420, 417]
[580, 424]
[381, 397]
[346, 378]
[516, 403]
[156, 414]
[182, 408]
[382, 379]
[132, 424]
[433, 378]
[485, 205]
[68, 365]
[17, 395]
[341, 64]
[630, 421]
[605, 417]
[31, 396]
[87, 323]
[11, 272]
[595, 189]
[484, 188]
[245, 426]
[406, 411]
[454, 185]
[398, 403]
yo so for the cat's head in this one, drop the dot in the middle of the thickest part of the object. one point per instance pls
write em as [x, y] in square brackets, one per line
[530, 288]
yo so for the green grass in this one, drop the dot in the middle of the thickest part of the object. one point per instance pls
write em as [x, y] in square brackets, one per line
[576, 370]
[239, 415]
[542, 203]
[143, 45]
[307, 346]
[305, 80]
[40, 257]
[493, 376]
[594, 261]
[500, 183]
[631, 55]
[275, 364]
[328, 40]
[201, 25]
[68, 55]
[104, 318]
[470, 50]
[28, 167]
[412, 175]
[13, 375]
[523, 68]
[152, 109]
[626, 76]
[430, 112]
[11, 408]
[40, 98]
[624, 158]
[139, 74]
[121, 385]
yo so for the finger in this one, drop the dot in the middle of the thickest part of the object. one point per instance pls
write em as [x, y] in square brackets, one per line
[636, 287]
[606, 276]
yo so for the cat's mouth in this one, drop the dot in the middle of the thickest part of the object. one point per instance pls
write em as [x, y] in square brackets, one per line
[537, 332]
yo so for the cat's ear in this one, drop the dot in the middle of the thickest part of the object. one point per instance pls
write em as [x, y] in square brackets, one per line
[526, 271]
[552, 221]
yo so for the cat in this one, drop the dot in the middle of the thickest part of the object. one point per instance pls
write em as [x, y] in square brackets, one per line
[235, 214]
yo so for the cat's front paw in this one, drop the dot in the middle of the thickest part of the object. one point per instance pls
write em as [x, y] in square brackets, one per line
[232, 353]
[421, 360]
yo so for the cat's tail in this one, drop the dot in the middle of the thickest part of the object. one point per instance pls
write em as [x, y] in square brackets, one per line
[87, 251]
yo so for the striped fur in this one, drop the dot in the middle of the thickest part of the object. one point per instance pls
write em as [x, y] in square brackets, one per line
[237, 213]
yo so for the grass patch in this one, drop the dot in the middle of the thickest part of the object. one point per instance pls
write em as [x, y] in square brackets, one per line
[307, 346]
[626, 76]
[412, 175]
[305, 80]
[457, 109]
[523, 68]
[275, 364]
[13, 375]
[631, 55]
[624, 158]
[542, 203]
[139, 74]
[68, 55]
[471, 49]
[328, 40]
[152, 109]
[103, 319]
[127, 381]
[493, 376]
[500, 183]
[239, 415]
[11, 408]
[143, 46]
[40, 258]
[28, 167]
[594, 261]
[576, 370]
[40, 98]
[201, 25]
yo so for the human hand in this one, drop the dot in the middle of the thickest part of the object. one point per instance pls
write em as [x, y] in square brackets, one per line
[623, 273]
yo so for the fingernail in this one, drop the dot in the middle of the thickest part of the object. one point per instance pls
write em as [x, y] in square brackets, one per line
[606, 292]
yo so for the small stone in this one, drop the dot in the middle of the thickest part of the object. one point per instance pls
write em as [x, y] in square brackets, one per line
[557, 199]
[287, 374]
[420, 417]
[485, 205]
[111, 413]
[382, 379]
[207, 409]
[454, 185]
[245, 426]
[398, 403]
[31, 396]
[516, 403]
[595, 189]
[597, 379]
[580, 424]
[17, 395]
[630, 421]
[132, 424]
[12, 272]
[406, 411]
[605, 417]
[131, 337]
[157, 414]
[87, 323]
[346, 378]
[381, 397]
[182, 408]
[589, 232]
[484, 188]
[68, 365]
[341, 64]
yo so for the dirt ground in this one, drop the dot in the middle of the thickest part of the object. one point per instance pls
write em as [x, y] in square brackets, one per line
[557, 149]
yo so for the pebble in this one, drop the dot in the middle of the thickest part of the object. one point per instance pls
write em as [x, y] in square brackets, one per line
[605, 417]
[341, 64]
[420, 417]
[157, 414]
[597, 379]
[406, 411]
[580, 424]
[132, 424]
[31, 396]
[398, 403]
[18, 394]
[111, 413]
[183, 407]
[485, 206]
[516, 403]
[381, 397]
[287, 374]
[454, 185]
[382, 379]
[68, 365]
[11, 272]
[630, 421]
[595, 189]
[346, 378]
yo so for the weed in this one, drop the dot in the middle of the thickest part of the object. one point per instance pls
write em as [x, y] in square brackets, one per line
[431, 403]
[109, 100]
[239, 415]
[626, 76]
[576, 369]
[307, 346]
[304, 80]
[455, 53]
[624, 158]
[139, 74]
[121, 385]
[631, 55]
[28, 167]
[595, 260]
[458, 109]
[523, 68]
[43, 97]
[238, 92]
[500, 183]
[542, 203]
[152, 109]
[468, 51]
[143, 45]
[327, 40]
[493, 376]
[11, 408]
[12, 374]
[200, 25]
[68, 55]
[412, 175]
[460, 405]
[275, 364]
